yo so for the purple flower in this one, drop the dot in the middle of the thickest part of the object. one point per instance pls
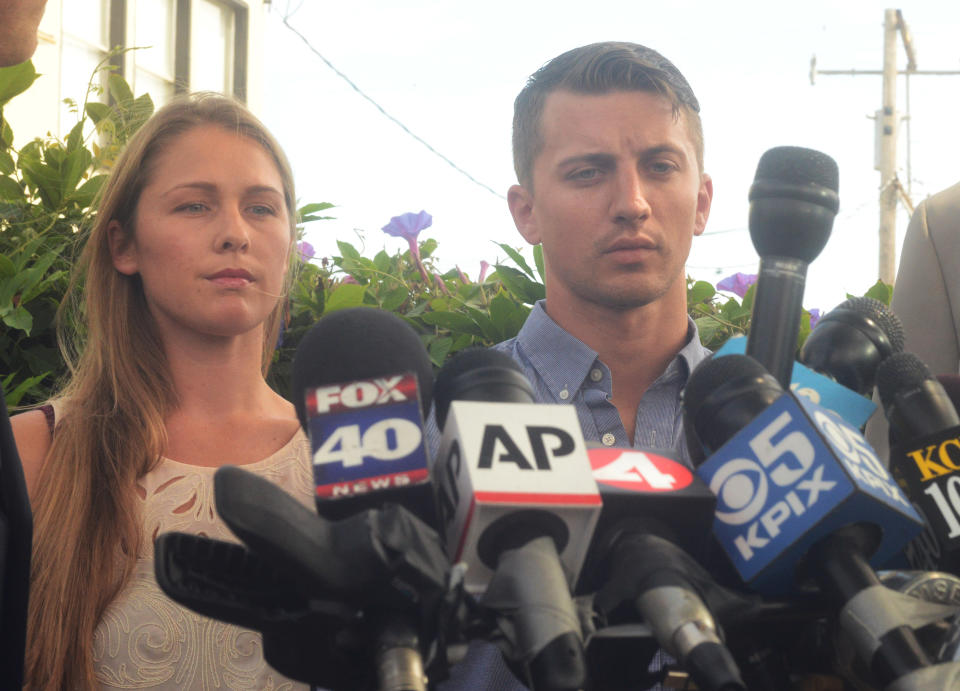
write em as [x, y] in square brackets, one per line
[441, 284]
[483, 271]
[408, 226]
[738, 283]
[814, 317]
[462, 276]
[349, 279]
[306, 250]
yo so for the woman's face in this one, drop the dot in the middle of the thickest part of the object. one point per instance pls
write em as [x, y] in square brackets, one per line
[211, 235]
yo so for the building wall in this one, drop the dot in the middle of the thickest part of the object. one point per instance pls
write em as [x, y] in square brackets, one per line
[69, 45]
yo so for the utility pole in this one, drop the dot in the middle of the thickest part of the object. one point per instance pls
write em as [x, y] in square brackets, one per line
[886, 122]
[887, 148]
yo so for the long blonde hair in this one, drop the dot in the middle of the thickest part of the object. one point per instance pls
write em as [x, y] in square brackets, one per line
[87, 531]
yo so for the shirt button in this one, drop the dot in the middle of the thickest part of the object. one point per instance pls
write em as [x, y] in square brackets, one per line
[564, 395]
[608, 439]
[596, 374]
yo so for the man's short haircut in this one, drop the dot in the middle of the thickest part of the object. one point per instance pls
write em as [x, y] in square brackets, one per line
[598, 68]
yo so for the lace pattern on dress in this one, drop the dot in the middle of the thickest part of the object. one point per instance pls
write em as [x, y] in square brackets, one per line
[146, 640]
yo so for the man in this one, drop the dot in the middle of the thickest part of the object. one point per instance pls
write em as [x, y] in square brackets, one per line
[18, 29]
[608, 150]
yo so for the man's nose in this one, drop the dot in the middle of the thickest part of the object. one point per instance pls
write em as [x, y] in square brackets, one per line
[630, 203]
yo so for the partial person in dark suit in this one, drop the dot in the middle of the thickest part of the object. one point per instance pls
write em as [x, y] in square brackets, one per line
[926, 295]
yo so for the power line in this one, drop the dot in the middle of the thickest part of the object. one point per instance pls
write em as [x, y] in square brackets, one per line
[386, 114]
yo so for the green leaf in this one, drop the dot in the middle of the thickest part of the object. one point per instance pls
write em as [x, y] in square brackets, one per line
[517, 258]
[452, 321]
[394, 298]
[880, 291]
[20, 318]
[6, 163]
[428, 247]
[538, 260]
[518, 285]
[7, 268]
[98, 111]
[345, 295]
[708, 328]
[75, 138]
[13, 397]
[701, 291]
[382, 261]
[308, 209]
[85, 195]
[119, 89]
[16, 79]
[348, 250]
[6, 134]
[438, 349]
[502, 309]
[748, 297]
[10, 189]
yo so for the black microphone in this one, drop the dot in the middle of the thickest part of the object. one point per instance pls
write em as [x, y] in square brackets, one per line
[793, 201]
[362, 383]
[801, 497]
[16, 543]
[655, 515]
[518, 503]
[850, 342]
[924, 456]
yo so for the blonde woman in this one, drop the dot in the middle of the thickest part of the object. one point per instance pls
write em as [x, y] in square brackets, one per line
[180, 305]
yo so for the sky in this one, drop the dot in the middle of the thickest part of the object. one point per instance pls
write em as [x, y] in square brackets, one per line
[449, 71]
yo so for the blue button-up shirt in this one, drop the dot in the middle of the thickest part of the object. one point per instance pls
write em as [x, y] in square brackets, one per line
[563, 369]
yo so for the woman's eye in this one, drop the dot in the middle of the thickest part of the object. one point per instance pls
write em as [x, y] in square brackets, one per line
[262, 210]
[192, 207]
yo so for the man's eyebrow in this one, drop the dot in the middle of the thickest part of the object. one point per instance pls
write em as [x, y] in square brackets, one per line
[664, 149]
[596, 159]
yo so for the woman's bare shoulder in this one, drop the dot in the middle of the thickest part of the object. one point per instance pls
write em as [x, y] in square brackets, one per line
[32, 434]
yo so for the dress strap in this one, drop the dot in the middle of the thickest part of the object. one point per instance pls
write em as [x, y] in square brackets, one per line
[49, 415]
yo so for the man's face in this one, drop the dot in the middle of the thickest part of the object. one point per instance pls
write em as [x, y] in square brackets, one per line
[617, 198]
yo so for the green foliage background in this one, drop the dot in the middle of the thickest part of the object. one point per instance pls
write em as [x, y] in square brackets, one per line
[48, 193]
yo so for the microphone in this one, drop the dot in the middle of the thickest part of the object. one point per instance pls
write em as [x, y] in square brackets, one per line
[16, 543]
[361, 384]
[850, 342]
[518, 504]
[924, 456]
[656, 514]
[802, 498]
[793, 201]
[356, 378]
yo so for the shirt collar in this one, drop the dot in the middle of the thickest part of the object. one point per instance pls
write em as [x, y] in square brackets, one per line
[546, 345]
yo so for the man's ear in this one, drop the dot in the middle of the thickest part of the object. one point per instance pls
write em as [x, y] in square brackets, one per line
[704, 198]
[520, 202]
[123, 249]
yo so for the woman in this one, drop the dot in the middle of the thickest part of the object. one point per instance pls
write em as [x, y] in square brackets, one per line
[183, 276]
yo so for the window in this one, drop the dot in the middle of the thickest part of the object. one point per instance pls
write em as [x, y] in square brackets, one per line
[154, 67]
[183, 45]
[86, 41]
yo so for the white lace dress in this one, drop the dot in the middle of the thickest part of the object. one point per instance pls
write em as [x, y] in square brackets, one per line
[146, 640]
